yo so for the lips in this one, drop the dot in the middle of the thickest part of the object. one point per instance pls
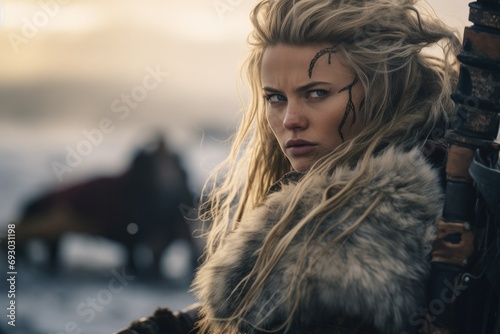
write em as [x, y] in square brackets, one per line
[299, 146]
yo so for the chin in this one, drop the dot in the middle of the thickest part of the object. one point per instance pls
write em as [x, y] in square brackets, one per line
[301, 168]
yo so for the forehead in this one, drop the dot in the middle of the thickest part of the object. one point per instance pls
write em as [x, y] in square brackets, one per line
[298, 62]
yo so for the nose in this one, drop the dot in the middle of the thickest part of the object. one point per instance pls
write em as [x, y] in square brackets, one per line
[295, 119]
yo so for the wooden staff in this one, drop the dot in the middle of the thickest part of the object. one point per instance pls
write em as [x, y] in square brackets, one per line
[466, 255]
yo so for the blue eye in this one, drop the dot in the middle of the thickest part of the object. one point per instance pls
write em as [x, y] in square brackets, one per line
[275, 98]
[317, 93]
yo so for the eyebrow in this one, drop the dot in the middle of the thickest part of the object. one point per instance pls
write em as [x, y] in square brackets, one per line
[300, 89]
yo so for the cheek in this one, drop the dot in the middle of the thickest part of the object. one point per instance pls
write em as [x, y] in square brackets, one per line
[274, 122]
[332, 116]
[329, 120]
[357, 127]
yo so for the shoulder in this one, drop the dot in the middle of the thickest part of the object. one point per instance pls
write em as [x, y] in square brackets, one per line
[379, 271]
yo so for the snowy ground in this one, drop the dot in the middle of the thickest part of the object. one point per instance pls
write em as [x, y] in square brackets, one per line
[85, 301]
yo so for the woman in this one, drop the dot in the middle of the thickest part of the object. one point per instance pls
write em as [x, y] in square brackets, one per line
[325, 219]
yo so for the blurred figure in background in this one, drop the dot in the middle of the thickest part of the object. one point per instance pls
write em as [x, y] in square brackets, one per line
[158, 188]
[140, 207]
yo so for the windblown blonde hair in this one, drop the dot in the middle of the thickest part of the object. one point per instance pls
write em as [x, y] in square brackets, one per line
[407, 97]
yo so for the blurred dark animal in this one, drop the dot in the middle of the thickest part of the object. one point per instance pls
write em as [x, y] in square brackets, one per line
[149, 194]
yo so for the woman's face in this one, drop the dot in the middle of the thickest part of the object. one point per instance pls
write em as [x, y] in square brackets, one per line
[307, 101]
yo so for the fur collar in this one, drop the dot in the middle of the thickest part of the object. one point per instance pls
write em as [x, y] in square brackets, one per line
[378, 275]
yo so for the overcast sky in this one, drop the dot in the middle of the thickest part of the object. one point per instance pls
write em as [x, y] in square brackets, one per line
[200, 43]
[121, 31]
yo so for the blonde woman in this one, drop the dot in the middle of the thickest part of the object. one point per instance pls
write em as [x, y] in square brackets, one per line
[325, 217]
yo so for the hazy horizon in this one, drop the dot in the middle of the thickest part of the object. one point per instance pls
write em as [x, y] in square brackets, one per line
[103, 47]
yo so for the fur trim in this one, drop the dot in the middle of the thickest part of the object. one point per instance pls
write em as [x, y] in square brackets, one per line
[378, 274]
